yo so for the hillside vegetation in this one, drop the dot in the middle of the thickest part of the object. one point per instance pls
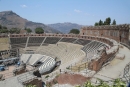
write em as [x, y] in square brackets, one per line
[12, 20]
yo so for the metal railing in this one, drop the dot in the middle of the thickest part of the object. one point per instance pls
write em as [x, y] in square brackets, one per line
[26, 77]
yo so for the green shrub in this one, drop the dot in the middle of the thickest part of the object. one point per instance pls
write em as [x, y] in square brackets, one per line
[47, 76]
[116, 83]
[30, 85]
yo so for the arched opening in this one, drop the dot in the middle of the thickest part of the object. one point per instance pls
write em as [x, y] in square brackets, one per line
[101, 35]
[120, 38]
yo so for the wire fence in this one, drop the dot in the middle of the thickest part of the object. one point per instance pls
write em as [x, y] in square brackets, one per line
[78, 67]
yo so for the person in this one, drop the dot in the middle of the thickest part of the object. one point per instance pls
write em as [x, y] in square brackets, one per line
[128, 85]
[2, 68]
[18, 63]
[60, 70]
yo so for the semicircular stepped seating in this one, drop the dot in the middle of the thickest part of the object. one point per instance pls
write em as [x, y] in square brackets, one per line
[91, 48]
[48, 63]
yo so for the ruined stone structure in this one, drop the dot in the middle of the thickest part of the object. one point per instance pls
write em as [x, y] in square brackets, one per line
[120, 33]
[110, 35]
[102, 58]
[99, 60]
[9, 53]
[19, 70]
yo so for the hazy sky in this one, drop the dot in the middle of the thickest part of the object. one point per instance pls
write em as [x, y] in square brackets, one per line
[85, 12]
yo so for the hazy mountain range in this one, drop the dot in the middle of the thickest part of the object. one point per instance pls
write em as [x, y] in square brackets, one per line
[12, 20]
[65, 27]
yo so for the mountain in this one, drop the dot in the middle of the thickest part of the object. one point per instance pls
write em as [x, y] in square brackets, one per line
[11, 20]
[65, 27]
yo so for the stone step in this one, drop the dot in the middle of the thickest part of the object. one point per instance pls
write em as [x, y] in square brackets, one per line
[103, 77]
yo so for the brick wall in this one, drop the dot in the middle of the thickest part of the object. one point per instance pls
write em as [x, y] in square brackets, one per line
[120, 33]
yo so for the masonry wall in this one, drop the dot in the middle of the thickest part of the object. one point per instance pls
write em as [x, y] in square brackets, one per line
[120, 33]
[96, 64]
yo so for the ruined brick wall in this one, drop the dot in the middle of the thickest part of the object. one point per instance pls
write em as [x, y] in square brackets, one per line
[120, 33]
[97, 64]
[106, 56]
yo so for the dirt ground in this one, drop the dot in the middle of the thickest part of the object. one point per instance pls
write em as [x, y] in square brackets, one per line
[72, 79]
[10, 69]
[4, 43]
[8, 72]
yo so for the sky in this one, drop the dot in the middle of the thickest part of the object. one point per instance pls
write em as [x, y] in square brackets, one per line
[84, 12]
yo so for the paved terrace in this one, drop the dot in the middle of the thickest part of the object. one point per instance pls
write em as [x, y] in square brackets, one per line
[11, 82]
[17, 81]
[115, 68]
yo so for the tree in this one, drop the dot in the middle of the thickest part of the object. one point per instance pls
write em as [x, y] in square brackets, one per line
[104, 23]
[39, 30]
[17, 31]
[4, 27]
[100, 22]
[14, 30]
[3, 30]
[74, 31]
[0, 26]
[96, 24]
[108, 21]
[25, 28]
[114, 22]
[28, 30]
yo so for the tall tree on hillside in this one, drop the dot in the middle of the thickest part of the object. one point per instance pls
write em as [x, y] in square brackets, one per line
[74, 31]
[4, 27]
[100, 22]
[17, 31]
[39, 30]
[96, 24]
[114, 22]
[14, 30]
[28, 30]
[3, 30]
[108, 21]
[0, 26]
